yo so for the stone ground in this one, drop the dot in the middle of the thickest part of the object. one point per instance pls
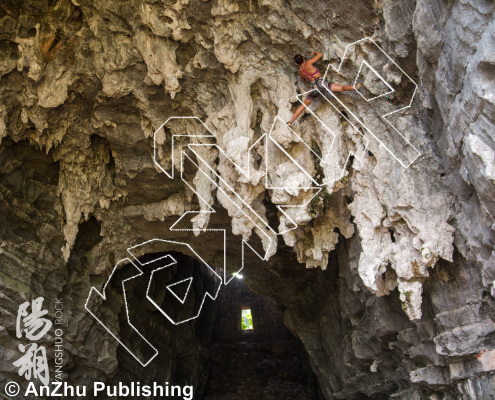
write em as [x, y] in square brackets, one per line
[264, 363]
[253, 369]
[402, 304]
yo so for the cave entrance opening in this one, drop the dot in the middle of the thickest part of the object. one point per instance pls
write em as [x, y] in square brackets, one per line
[253, 355]
[246, 319]
[241, 362]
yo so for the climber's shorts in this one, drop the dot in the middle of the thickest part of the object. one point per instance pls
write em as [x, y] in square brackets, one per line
[318, 84]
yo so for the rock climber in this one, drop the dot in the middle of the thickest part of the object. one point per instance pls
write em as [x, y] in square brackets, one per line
[310, 73]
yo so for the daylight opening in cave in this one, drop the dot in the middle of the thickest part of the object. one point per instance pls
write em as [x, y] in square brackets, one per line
[246, 320]
[249, 200]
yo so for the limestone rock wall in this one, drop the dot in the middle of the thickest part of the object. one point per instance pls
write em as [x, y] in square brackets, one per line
[84, 86]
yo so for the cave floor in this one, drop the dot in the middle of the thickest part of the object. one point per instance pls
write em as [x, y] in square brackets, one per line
[254, 368]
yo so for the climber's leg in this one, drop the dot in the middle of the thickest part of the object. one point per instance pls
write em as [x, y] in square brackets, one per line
[339, 88]
[300, 109]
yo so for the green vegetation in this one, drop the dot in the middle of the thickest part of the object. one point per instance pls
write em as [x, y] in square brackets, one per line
[246, 320]
[319, 203]
[316, 148]
[327, 199]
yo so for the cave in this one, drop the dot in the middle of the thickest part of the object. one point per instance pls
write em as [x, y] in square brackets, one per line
[249, 330]
[225, 357]
[172, 227]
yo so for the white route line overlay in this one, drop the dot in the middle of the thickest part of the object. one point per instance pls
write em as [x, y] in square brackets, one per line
[416, 152]
[140, 273]
[263, 227]
[247, 174]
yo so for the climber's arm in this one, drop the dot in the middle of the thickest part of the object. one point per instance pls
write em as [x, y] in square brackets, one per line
[316, 55]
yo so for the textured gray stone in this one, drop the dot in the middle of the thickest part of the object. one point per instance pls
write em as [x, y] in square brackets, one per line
[400, 303]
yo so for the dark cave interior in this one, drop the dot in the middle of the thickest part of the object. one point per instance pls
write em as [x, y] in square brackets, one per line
[212, 352]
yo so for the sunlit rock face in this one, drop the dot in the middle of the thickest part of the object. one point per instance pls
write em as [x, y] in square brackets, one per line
[387, 278]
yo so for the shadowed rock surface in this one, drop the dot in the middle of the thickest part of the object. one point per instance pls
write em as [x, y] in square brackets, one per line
[387, 280]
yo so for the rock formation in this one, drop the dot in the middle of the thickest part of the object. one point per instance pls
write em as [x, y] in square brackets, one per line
[388, 278]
